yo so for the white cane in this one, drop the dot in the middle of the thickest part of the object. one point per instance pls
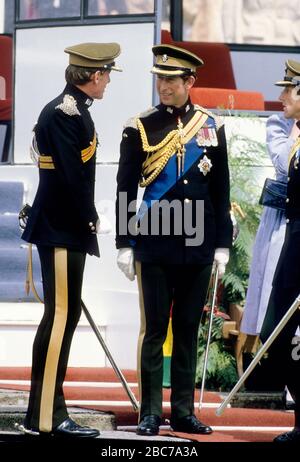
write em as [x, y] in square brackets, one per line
[215, 286]
[260, 353]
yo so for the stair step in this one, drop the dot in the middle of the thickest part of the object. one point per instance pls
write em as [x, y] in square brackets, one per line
[13, 266]
[10, 233]
[10, 415]
[11, 196]
[13, 263]
[14, 292]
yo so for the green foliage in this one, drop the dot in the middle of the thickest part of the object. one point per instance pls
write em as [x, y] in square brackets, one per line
[236, 277]
[246, 155]
[221, 371]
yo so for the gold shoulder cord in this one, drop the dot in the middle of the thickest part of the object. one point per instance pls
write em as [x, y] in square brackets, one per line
[146, 146]
[173, 143]
[294, 149]
[168, 143]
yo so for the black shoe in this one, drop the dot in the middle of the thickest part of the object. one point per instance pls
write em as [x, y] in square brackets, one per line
[149, 425]
[190, 424]
[288, 437]
[70, 428]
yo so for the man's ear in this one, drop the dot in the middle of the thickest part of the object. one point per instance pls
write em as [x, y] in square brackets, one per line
[190, 82]
[96, 77]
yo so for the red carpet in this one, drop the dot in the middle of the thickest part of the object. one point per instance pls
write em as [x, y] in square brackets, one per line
[110, 396]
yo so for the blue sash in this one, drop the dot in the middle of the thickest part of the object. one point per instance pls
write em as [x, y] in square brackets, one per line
[169, 176]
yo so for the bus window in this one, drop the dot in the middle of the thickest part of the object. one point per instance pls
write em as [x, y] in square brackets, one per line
[121, 7]
[259, 22]
[48, 9]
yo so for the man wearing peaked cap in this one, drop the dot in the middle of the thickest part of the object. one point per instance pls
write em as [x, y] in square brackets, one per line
[292, 70]
[97, 55]
[177, 152]
[172, 61]
[63, 223]
[283, 355]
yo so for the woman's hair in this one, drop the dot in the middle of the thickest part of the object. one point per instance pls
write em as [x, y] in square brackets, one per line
[77, 75]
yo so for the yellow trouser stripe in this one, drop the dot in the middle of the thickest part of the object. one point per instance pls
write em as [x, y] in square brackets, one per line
[168, 344]
[142, 326]
[56, 338]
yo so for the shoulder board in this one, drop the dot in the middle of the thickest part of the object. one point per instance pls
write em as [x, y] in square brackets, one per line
[132, 121]
[147, 113]
[217, 119]
[68, 106]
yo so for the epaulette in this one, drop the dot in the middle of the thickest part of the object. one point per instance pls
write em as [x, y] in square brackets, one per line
[132, 122]
[68, 106]
[147, 113]
[218, 121]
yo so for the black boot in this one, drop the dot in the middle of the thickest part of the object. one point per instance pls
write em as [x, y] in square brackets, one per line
[149, 425]
[190, 424]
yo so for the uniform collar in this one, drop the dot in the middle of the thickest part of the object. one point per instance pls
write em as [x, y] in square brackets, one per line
[178, 111]
[78, 94]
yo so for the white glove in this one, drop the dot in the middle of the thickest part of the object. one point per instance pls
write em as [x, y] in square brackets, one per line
[104, 225]
[98, 226]
[221, 259]
[125, 262]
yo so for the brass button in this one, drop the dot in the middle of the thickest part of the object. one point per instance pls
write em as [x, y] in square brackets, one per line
[185, 181]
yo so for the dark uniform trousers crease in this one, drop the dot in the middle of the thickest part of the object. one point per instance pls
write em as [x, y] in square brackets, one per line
[170, 272]
[62, 298]
[61, 223]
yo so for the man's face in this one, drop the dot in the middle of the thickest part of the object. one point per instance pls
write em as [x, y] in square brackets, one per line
[174, 91]
[100, 80]
[291, 103]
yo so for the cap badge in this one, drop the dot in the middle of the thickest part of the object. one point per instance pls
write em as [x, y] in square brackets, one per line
[205, 165]
[164, 58]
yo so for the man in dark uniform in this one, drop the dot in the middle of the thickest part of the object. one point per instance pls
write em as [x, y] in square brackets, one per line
[63, 223]
[177, 151]
[286, 283]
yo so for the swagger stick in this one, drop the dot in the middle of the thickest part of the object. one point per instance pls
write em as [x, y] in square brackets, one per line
[260, 353]
[110, 358]
[216, 271]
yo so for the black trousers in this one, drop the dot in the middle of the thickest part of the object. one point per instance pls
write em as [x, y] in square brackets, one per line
[159, 286]
[62, 272]
[283, 362]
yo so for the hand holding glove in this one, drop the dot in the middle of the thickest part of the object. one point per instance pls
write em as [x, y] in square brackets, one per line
[221, 259]
[125, 262]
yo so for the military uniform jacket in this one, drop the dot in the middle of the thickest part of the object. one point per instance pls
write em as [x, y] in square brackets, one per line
[288, 267]
[63, 212]
[205, 177]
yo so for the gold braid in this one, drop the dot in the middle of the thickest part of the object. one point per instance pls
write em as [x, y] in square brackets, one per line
[146, 146]
[161, 165]
[170, 142]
